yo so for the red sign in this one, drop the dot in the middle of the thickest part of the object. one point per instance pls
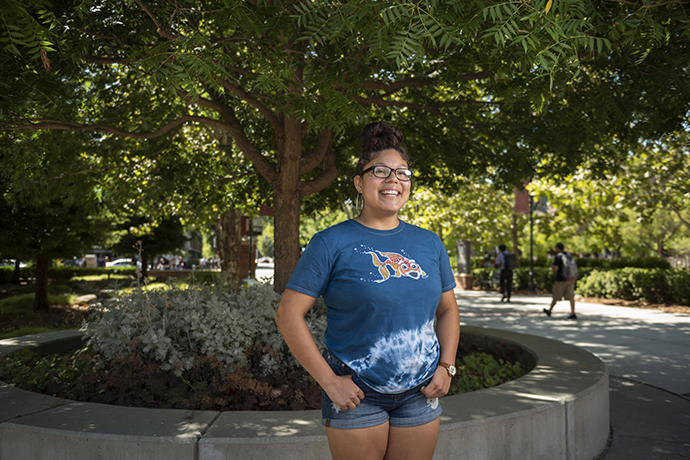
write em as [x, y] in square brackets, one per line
[521, 200]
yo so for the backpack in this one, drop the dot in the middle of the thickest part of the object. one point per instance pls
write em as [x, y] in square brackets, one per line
[569, 266]
[509, 260]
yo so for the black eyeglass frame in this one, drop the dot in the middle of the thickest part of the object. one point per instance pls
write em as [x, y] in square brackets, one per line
[405, 177]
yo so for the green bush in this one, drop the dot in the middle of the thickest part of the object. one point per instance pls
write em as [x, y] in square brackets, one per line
[62, 273]
[206, 276]
[176, 327]
[679, 283]
[660, 285]
[7, 274]
[623, 262]
[481, 370]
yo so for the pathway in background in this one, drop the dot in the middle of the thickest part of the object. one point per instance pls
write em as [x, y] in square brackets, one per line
[647, 353]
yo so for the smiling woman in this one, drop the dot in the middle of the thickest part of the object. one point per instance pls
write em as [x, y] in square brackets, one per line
[384, 283]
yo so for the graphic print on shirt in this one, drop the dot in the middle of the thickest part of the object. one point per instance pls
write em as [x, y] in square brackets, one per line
[404, 354]
[395, 265]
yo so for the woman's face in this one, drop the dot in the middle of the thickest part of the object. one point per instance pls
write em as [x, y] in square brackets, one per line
[384, 196]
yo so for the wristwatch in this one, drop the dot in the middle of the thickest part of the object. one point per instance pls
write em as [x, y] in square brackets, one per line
[449, 367]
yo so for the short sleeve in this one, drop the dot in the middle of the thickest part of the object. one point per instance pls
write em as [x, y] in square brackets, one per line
[499, 260]
[313, 269]
[447, 276]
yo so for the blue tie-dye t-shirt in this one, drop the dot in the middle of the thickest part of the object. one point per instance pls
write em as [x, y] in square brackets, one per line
[382, 289]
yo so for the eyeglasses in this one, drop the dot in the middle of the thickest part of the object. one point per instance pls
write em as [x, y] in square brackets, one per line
[384, 172]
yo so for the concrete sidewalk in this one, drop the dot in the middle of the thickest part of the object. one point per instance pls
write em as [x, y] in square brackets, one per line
[647, 353]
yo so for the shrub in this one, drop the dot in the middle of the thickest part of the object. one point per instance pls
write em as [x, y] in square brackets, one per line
[653, 285]
[176, 327]
[481, 370]
[679, 284]
[624, 262]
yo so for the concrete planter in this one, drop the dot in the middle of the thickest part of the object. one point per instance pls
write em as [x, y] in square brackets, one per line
[560, 410]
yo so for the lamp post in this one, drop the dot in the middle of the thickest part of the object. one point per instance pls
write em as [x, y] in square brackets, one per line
[530, 287]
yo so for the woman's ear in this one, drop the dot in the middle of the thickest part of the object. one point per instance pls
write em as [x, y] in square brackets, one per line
[358, 183]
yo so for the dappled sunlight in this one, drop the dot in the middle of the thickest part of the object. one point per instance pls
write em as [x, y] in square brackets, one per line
[253, 424]
[538, 397]
[646, 345]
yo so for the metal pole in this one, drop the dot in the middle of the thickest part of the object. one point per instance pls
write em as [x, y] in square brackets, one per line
[530, 287]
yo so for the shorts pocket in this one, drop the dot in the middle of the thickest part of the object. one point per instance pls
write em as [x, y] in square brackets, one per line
[338, 367]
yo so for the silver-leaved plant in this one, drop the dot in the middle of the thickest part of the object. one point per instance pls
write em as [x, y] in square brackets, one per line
[176, 326]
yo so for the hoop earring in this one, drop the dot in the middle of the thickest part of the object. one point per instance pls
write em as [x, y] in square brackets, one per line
[357, 205]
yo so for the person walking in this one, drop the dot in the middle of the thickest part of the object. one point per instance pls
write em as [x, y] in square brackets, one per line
[383, 282]
[506, 262]
[564, 286]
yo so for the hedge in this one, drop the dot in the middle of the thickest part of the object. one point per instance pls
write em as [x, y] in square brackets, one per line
[61, 273]
[658, 285]
[604, 264]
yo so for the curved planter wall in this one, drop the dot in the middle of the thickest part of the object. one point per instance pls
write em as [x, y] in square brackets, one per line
[560, 410]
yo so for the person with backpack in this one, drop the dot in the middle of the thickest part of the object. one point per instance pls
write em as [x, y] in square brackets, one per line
[506, 261]
[566, 274]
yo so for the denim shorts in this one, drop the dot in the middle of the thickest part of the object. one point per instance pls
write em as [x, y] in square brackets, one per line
[406, 409]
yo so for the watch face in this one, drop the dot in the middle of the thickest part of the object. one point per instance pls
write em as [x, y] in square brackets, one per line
[451, 370]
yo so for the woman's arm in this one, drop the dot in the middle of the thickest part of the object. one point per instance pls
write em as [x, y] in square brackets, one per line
[448, 332]
[290, 320]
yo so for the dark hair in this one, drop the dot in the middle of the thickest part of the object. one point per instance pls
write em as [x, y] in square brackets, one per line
[502, 247]
[559, 246]
[377, 137]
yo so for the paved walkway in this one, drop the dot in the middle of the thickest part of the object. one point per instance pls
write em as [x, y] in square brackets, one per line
[647, 353]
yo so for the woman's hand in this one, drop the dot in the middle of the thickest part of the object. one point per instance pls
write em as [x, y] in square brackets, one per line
[344, 392]
[439, 384]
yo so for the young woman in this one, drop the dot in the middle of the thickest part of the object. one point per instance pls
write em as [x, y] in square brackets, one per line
[384, 282]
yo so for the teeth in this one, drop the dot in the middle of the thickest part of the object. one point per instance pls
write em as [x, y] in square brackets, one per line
[390, 192]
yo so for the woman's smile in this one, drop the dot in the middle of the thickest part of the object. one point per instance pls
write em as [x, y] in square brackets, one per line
[383, 197]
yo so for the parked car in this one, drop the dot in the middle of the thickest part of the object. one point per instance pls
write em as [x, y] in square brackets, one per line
[10, 263]
[264, 260]
[121, 263]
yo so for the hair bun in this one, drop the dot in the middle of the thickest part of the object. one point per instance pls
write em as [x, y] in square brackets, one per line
[376, 137]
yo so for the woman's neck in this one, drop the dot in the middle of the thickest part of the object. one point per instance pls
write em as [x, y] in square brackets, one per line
[378, 222]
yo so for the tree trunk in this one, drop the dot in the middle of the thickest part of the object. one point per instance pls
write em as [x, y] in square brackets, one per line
[41, 299]
[16, 276]
[145, 265]
[286, 201]
[229, 236]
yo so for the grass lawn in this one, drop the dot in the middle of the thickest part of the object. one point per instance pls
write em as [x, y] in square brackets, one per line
[18, 318]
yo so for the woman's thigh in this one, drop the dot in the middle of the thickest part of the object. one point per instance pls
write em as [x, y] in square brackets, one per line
[360, 443]
[412, 443]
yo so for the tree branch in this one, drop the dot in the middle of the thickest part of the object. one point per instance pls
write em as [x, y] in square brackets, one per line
[380, 101]
[317, 155]
[254, 102]
[676, 211]
[26, 125]
[236, 130]
[327, 176]
[105, 37]
[163, 31]
[103, 60]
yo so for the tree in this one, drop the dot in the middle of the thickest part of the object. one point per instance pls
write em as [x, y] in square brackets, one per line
[43, 216]
[637, 207]
[478, 211]
[656, 176]
[284, 78]
[150, 239]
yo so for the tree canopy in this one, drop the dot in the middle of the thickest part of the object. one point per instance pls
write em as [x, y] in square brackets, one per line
[47, 211]
[511, 90]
